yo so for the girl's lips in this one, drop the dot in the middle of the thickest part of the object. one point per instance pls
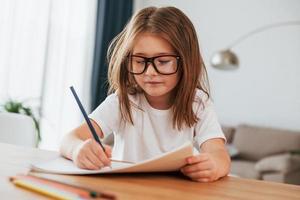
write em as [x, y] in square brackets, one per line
[152, 82]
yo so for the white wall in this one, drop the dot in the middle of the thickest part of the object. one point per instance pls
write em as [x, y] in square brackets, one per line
[265, 90]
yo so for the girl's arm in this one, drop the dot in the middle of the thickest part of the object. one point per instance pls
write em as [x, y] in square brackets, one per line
[79, 146]
[211, 164]
[216, 148]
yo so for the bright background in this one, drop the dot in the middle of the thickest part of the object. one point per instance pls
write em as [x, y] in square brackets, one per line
[46, 46]
[265, 90]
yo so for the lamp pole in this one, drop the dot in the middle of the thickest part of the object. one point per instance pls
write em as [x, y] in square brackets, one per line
[227, 60]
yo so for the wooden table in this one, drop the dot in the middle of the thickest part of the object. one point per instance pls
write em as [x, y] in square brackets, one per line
[16, 160]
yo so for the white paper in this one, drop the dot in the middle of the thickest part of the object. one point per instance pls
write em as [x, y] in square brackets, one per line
[170, 161]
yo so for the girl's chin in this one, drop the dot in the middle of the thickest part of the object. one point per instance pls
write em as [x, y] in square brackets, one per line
[156, 92]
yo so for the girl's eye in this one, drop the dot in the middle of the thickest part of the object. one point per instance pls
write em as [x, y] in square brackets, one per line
[163, 61]
[140, 62]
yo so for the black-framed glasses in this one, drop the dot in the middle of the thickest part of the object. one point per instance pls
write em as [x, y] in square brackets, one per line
[164, 64]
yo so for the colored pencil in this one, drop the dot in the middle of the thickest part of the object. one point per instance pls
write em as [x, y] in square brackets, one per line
[122, 161]
[44, 189]
[79, 191]
[56, 188]
[90, 193]
[88, 121]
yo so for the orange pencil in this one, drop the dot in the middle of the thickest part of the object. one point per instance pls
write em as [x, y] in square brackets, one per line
[62, 186]
[44, 189]
[81, 191]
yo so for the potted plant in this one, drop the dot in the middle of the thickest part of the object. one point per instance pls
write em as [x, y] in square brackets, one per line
[19, 107]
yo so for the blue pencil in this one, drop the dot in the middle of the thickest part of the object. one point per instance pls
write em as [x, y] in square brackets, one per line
[88, 121]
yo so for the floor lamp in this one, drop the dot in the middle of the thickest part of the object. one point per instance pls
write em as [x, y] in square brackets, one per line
[228, 60]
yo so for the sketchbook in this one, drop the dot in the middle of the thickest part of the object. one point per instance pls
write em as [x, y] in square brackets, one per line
[170, 161]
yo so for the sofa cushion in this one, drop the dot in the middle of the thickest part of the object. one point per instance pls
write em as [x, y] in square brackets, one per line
[254, 143]
[279, 163]
[291, 178]
[244, 169]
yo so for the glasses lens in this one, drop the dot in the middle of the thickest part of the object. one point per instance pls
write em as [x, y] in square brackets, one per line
[166, 64]
[137, 65]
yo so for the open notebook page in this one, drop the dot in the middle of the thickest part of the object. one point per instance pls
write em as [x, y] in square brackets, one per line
[170, 161]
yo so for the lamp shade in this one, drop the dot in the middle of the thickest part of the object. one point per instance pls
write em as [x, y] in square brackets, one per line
[225, 60]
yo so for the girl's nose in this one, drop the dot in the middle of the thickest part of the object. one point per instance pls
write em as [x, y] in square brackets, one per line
[150, 69]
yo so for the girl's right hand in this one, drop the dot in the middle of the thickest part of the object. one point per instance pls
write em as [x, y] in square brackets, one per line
[90, 155]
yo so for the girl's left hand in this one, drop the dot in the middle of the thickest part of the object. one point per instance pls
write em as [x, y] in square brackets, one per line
[201, 168]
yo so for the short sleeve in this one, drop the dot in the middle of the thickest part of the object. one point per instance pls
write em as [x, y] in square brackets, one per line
[207, 126]
[107, 114]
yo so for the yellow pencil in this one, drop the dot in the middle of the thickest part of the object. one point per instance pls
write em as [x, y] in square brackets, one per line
[45, 190]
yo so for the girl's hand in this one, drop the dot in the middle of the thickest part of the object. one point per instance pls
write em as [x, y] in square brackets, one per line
[90, 155]
[201, 168]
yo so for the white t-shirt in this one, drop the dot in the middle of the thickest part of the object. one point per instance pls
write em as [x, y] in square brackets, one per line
[153, 133]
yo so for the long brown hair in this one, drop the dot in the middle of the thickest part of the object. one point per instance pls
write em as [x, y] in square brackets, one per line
[175, 27]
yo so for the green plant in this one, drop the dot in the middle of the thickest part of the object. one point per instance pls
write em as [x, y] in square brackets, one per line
[18, 107]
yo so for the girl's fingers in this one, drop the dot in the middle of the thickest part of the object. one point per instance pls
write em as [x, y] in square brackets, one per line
[200, 174]
[201, 168]
[196, 159]
[203, 180]
[95, 159]
[196, 167]
[108, 151]
[90, 155]
[97, 149]
[87, 164]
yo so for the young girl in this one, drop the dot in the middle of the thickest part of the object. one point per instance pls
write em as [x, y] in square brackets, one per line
[159, 100]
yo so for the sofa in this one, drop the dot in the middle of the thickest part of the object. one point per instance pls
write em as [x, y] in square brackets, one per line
[264, 153]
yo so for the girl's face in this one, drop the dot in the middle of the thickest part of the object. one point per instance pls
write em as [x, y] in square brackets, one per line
[155, 85]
